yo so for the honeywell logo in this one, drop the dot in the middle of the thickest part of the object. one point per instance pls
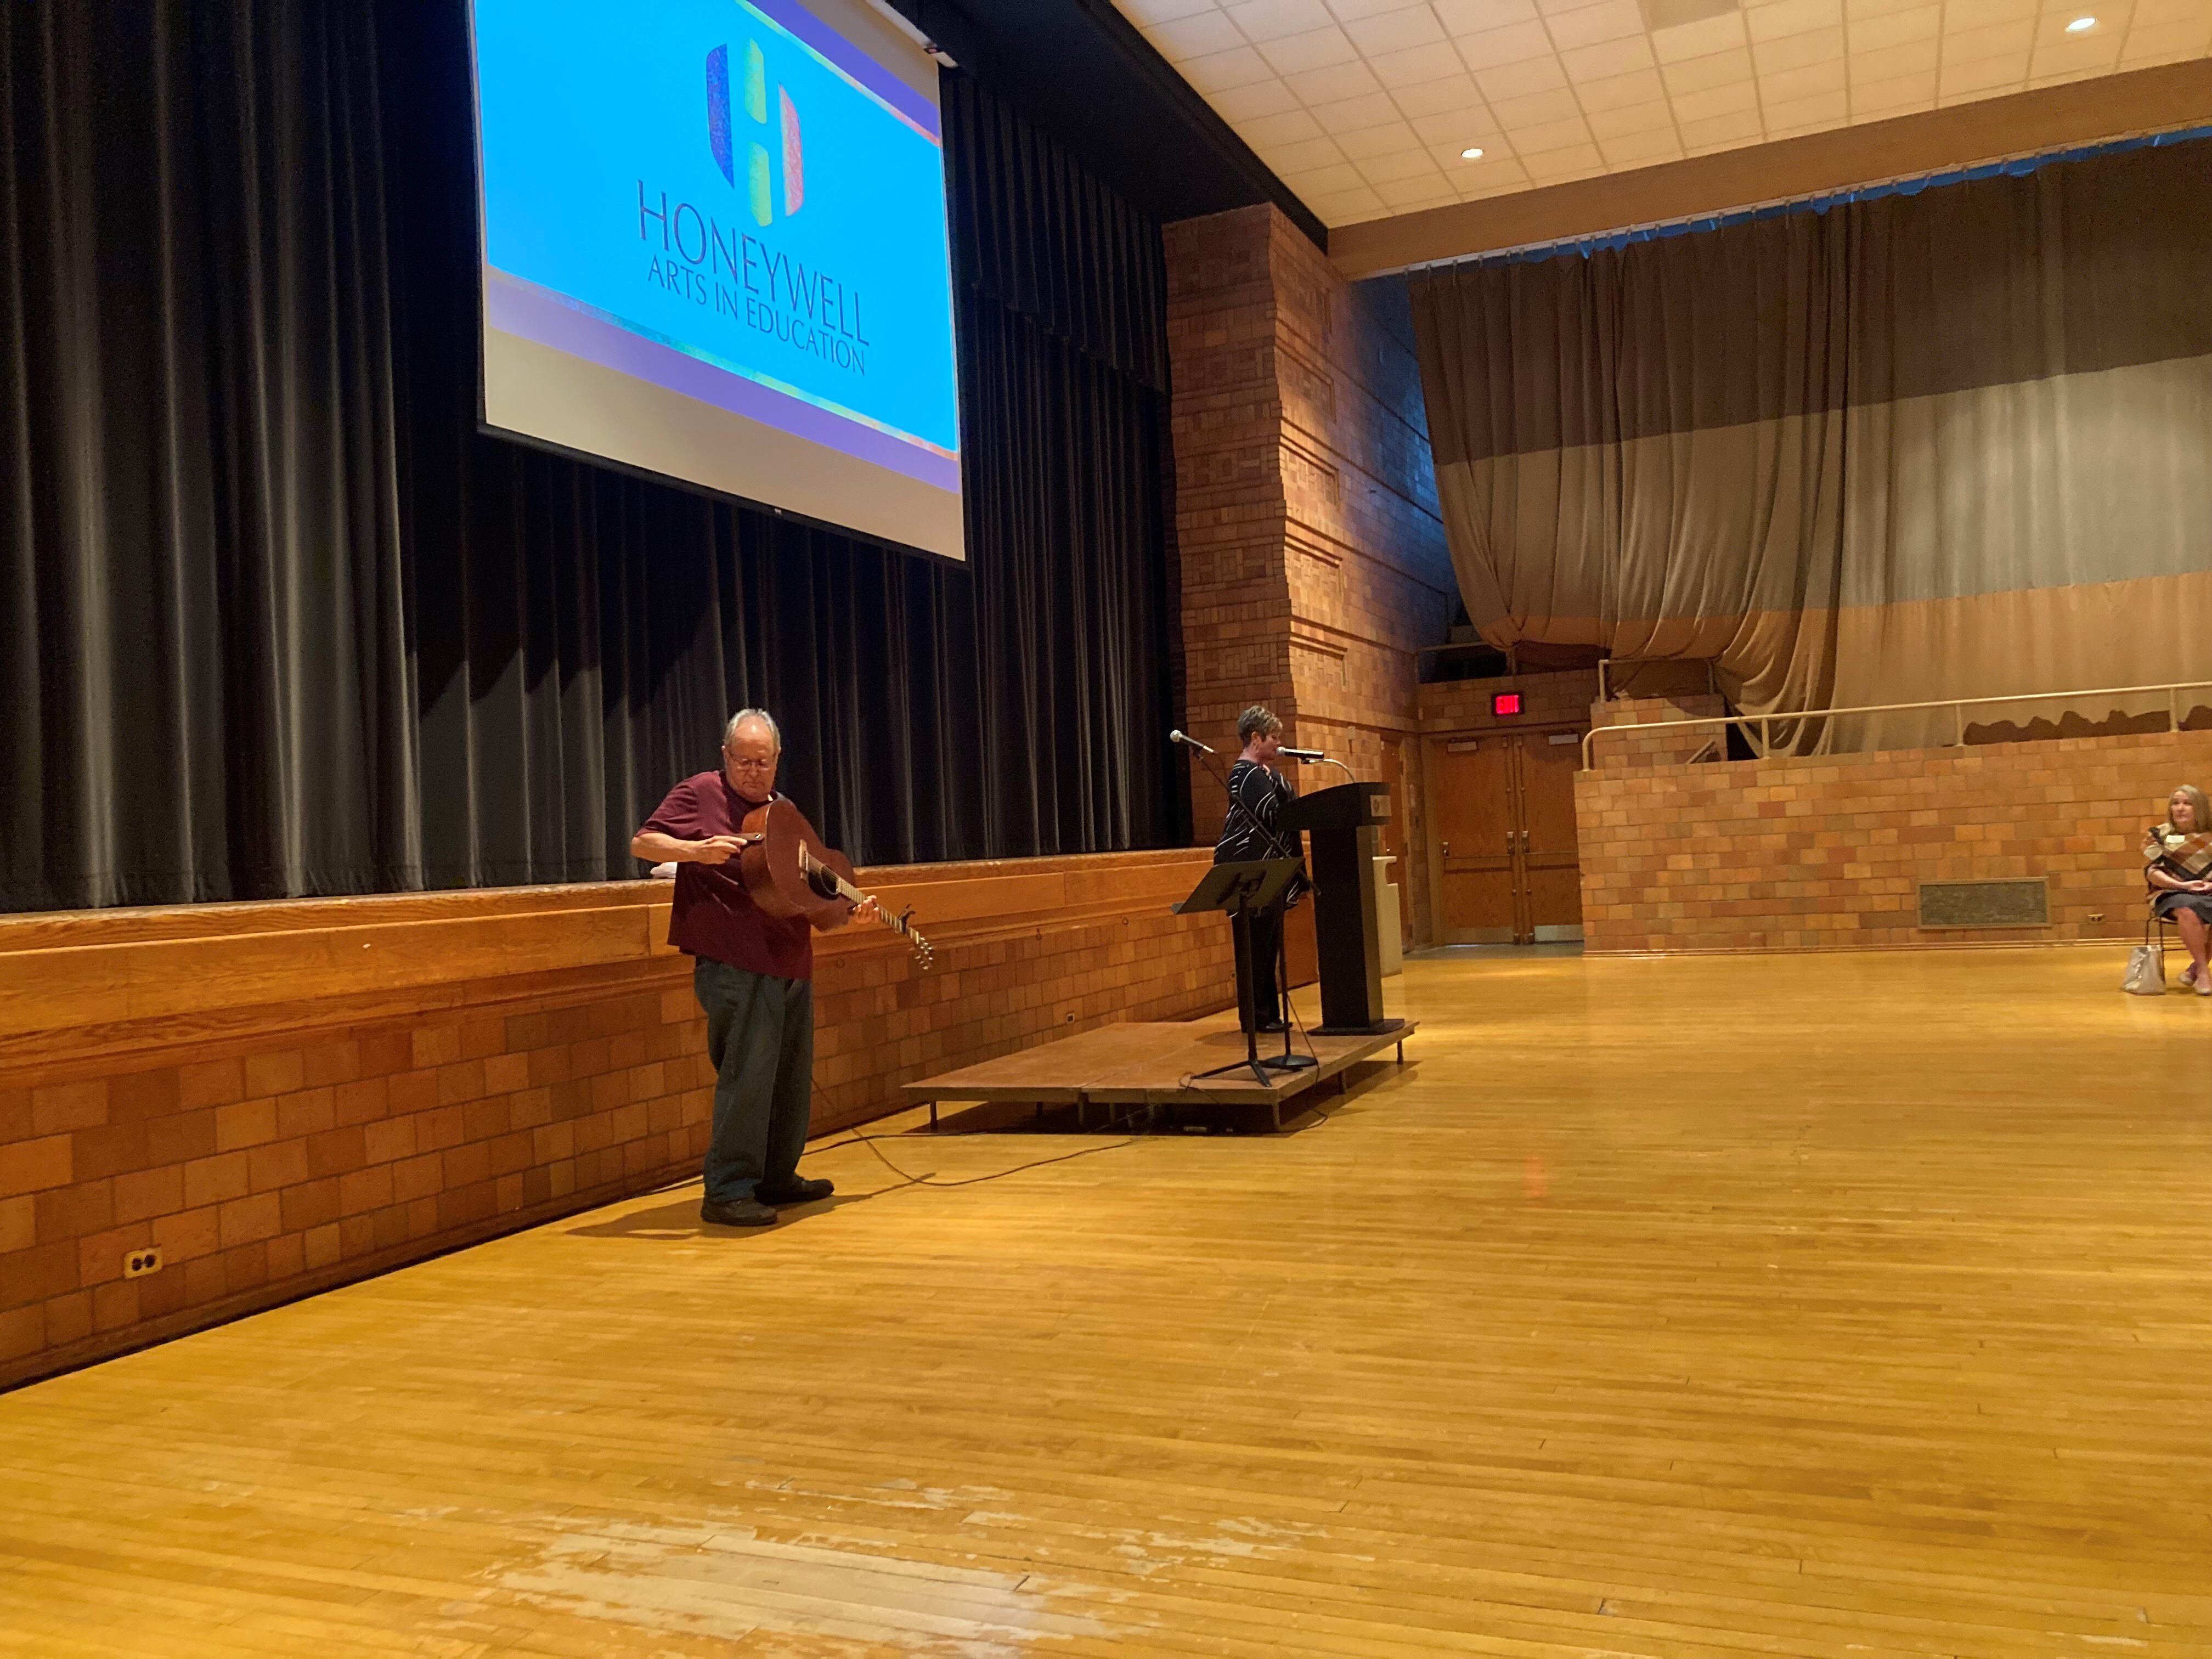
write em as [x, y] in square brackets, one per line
[759, 182]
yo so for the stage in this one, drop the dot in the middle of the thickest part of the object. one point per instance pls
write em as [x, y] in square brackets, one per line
[1703, 1308]
[1159, 1065]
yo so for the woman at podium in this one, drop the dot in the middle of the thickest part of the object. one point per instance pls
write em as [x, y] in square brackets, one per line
[1256, 793]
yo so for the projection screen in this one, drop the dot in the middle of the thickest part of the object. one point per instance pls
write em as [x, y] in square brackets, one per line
[714, 247]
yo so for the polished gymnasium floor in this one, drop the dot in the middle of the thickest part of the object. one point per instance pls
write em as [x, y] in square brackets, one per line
[1814, 1306]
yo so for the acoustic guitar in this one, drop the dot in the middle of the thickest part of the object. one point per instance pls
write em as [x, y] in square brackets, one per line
[789, 872]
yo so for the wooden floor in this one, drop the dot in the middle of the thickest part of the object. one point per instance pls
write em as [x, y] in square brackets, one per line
[1812, 1306]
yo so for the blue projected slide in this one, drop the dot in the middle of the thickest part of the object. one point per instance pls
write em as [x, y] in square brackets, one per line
[715, 243]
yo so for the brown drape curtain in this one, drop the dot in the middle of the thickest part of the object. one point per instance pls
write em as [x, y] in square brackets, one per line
[1917, 447]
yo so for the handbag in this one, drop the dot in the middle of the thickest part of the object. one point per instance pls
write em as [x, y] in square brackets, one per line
[2146, 974]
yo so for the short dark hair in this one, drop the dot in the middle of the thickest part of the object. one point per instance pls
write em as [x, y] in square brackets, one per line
[1256, 722]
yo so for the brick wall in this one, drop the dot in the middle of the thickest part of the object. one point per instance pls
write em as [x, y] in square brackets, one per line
[1828, 852]
[1313, 558]
[1556, 699]
[1659, 748]
[274, 1148]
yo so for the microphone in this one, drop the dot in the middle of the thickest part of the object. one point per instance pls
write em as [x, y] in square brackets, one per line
[1188, 742]
[1302, 754]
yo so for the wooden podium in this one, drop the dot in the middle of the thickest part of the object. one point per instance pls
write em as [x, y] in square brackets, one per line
[1345, 823]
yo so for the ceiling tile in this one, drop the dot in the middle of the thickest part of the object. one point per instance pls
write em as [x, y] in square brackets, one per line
[1609, 20]
[1288, 127]
[1256, 98]
[1720, 132]
[1143, 13]
[1331, 85]
[2102, 42]
[2163, 42]
[1921, 23]
[1412, 164]
[1218, 71]
[1537, 139]
[1501, 169]
[1516, 113]
[1271, 20]
[1789, 17]
[1342, 176]
[1411, 195]
[1607, 58]
[1451, 157]
[1609, 124]
[1350, 11]
[1380, 141]
[1981, 75]
[1825, 109]
[1495, 48]
[1717, 70]
[1699, 40]
[1479, 16]
[1794, 51]
[1347, 207]
[1959, 16]
[1876, 100]
[1814, 79]
[1642, 150]
[1913, 57]
[1415, 64]
[1520, 80]
[1559, 166]
[1195, 36]
[2066, 58]
[1302, 154]
[1996, 40]
[1364, 106]
[1315, 49]
[1394, 31]
[1621, 90]
[1732, 99]
[1438, 97]
[1457, 130]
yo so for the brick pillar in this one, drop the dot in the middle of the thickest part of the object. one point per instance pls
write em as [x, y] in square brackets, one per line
[1314, 564]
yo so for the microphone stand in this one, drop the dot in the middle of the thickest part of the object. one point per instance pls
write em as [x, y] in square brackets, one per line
[1288, 1062]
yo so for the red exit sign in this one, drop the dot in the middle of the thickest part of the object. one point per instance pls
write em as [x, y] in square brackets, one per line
[1505, 702]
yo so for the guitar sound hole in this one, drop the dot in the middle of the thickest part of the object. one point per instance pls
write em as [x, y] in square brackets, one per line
[823, 883]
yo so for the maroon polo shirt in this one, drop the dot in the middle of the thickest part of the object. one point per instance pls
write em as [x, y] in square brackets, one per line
[715, 916]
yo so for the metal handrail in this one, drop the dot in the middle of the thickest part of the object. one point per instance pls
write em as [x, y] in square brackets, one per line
[2171, 690]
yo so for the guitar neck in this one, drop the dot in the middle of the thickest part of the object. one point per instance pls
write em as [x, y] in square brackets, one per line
[848, 892]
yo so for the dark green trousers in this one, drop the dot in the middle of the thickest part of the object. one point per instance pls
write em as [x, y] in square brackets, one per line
[760, 1035]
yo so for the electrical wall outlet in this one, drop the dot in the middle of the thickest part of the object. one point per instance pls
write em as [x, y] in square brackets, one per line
[138, 1263]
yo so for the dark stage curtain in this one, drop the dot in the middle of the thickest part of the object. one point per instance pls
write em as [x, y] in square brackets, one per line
[279, 619]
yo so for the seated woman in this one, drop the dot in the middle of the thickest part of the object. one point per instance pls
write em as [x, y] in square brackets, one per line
[2177, 857]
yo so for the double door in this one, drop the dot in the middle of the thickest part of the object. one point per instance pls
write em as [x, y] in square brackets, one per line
[1502, 837]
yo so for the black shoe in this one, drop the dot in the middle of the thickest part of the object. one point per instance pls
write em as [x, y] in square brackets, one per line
[1271, 1028]
[796, 1190]
[745, 1212]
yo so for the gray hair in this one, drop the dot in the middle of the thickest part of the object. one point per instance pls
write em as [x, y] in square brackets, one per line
[775, 733]
[1257, 721]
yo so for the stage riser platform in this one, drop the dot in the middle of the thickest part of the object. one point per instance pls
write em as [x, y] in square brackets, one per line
[1144, 1063]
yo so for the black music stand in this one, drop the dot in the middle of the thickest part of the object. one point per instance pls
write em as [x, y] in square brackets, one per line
[1243, 890]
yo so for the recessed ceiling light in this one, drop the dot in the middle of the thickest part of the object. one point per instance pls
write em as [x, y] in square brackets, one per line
[2081, 26]
[1470, 155]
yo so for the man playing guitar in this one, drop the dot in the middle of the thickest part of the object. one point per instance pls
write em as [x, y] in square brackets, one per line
[752, 972]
